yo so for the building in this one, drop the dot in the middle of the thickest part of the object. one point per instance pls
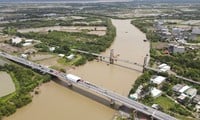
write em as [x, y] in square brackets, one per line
[24, 56]
[191, 92]
[158, 80]
[61, 55]
[164, 67]
[26, 44]
[52, 49]
[197, 107]
[195, 33]
[16, 40]
[181, 98]
[176, 31]
[134, 96]
[184, 88]
[177, 87]
[196, 99]
[156, 106]
[176, 48]
[155, 92]
[70, 57]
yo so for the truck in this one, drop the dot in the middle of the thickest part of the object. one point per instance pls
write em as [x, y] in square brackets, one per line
[73, 78]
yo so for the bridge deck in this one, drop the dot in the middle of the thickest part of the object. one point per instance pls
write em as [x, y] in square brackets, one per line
[107, 93]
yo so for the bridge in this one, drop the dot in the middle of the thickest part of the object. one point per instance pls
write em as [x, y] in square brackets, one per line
[145, 65]
[94, 88]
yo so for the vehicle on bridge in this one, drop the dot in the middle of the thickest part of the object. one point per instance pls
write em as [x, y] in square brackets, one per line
[73, 78]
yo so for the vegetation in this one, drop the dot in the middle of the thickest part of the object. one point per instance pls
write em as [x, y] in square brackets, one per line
[64, 41]
[185, 64]
[25, 81]
[146, 27]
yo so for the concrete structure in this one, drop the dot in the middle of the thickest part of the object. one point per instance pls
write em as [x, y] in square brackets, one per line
[181, 98]
[61, 55]
[52, 49]
[156, 106]
[195, 33]
[155, 92]
[197, 107]
[94, 88]
[164, 67]
[158, 80]
[134, 96]
[176, 48]
[16, 40]
[24, 56]
[191, 92]
[196, 99]
[70, 57]
[26, 44]
[177, 87]
[184, 88]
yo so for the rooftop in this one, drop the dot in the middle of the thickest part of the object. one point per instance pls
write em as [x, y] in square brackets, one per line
[156, 92]
[158, 79]
[177, 87]
[183, 89]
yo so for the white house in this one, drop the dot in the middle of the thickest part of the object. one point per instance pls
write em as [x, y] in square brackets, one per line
[24, 55]
[134, 96]
[26, 44]
[70, 57]
[158, 79]
[183, 89]
[61, 55]
[52, 49]
[16, 40]
[155, 92]
[164, 67]
[191, 92]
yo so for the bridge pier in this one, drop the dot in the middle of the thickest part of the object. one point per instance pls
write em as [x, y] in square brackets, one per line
[145, 63]
[112, 56]
[112, 103]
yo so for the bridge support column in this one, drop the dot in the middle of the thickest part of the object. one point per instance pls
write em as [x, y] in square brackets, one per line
[112, 103]
[100, 58]
[112, 56]
[145, 63]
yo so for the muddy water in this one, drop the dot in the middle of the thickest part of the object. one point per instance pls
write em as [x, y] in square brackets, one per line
[130, 46]
[57, 102]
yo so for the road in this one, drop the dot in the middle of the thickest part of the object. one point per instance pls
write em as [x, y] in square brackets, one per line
[92, 87]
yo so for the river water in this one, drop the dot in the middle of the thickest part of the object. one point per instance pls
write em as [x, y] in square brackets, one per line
[58, 102]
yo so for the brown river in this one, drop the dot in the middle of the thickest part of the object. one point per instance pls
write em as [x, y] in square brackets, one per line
[56, 102]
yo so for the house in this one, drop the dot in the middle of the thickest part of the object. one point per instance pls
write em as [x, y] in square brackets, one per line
[70, 57]
[24, 56]
[51, 49]
[155, 92]
[191, 92]
[197, 107]
[16, 40]
[195, 32]
[184, 88]
[164, 67]
[177, 87]
[176, 31]
[134, 96]
[156, 106]
[158, 80]
[176, 48]
[181, 98]
[26, 44]
[61, 55]
[196, 99]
